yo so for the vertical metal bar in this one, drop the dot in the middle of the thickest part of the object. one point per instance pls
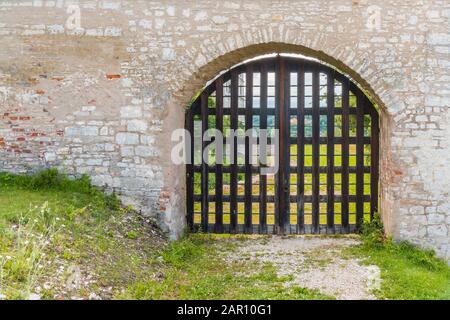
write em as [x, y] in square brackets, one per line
[234, 175]
[330, 151]
[287, 162]
[345, 155]
[374, 161]
[359, 159]
[263, 126]
[218, 226]
[189, 124]
[204, 183]
[315, 150]
[278, 125]
[283, 172]
[301, 149]
[248, 165]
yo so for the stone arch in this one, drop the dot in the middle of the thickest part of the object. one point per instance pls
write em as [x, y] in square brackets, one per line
[360, 69]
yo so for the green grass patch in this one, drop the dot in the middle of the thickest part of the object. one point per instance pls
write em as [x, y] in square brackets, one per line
[192, 268]
[48, 217]
[407, 271]
[49, 221]
[52, 181]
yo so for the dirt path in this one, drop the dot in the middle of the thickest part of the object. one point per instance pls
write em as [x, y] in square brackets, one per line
[314, 263]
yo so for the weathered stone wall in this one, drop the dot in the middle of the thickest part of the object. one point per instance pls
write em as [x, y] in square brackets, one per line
[103, 97]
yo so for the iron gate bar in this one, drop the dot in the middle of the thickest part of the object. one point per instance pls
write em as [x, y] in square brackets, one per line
[241, 112]
[205, 174]
[300, 148]
[323, 140]
[248, 166]
[271, 230]
[359, 159]
[278, 180]
[284, 69]
[330, 150]
[263, 125]
[345, 154]
[322, 198]
[189, 123]
[241, 169]
[284, 153]
[234, 125]
[315, 150]
[218, 226]
[374, 156]
[322, 111]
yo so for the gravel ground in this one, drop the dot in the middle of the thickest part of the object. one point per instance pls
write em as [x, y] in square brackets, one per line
[314, 262]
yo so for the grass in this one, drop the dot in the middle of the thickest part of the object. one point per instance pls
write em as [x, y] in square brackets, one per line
[54, 229]
[193, 269]
[408, 273]
[61, 238]
[50, 225]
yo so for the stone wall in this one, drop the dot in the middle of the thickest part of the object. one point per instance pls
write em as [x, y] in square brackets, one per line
[101, 94]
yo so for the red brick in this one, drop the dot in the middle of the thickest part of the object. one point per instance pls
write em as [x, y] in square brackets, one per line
[113, 76]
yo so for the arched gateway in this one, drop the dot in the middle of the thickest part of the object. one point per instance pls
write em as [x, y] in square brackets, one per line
[328, 130]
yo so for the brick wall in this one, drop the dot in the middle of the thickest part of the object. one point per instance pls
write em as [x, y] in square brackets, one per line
[102, 96]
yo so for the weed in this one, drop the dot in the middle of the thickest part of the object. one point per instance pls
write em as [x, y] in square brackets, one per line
[53, 180]
[373, 232]
[408, 272]
[182, 252]
[33, 234]
[132, 234]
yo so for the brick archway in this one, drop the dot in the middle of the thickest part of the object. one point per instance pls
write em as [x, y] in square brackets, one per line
[173, 197]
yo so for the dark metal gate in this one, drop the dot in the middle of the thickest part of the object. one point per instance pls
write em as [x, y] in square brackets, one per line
[327, 180]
